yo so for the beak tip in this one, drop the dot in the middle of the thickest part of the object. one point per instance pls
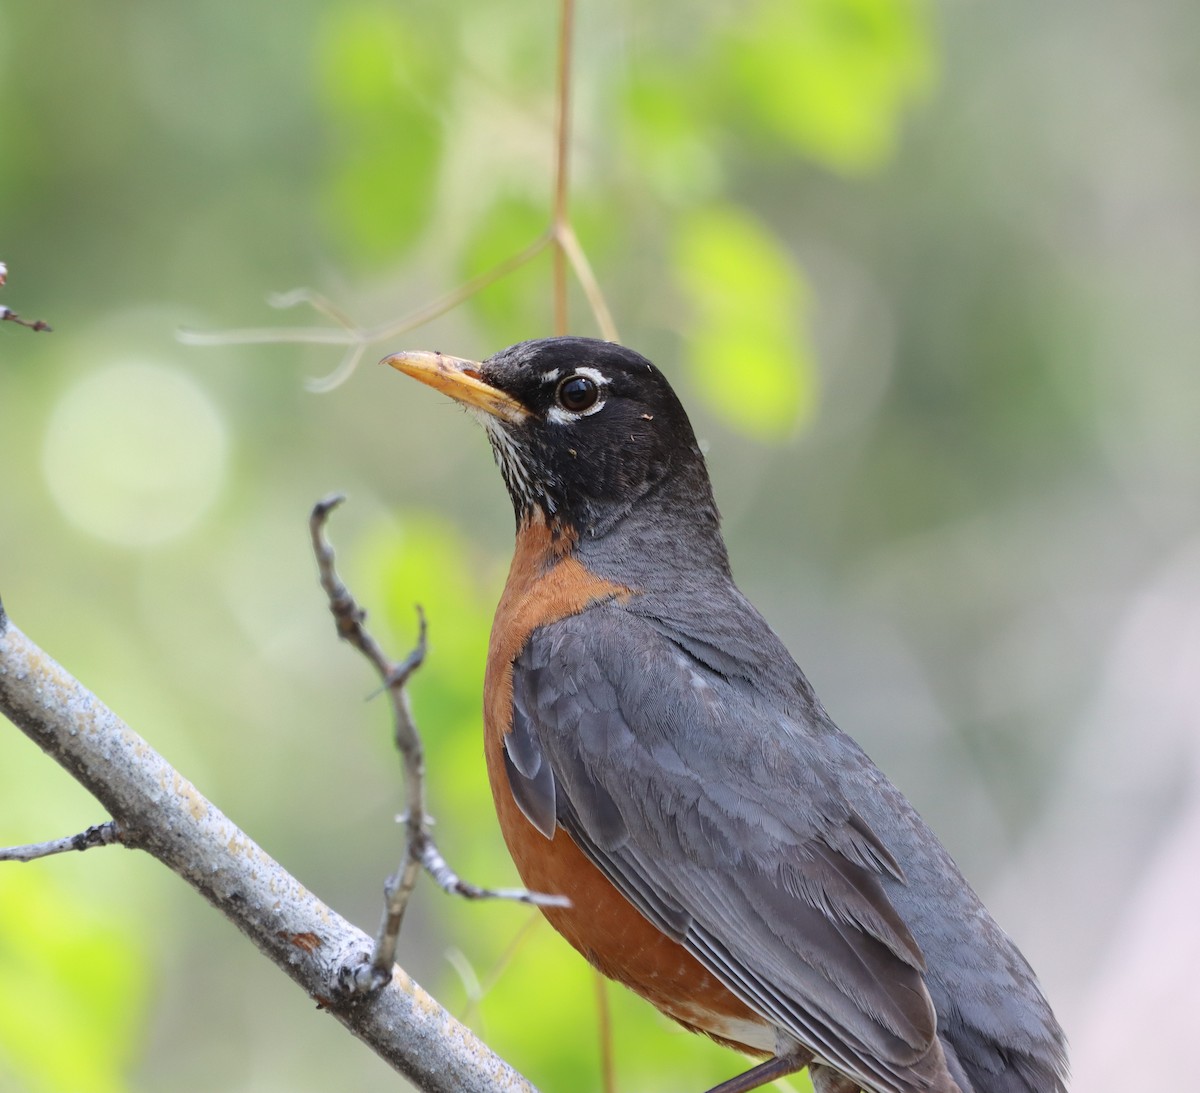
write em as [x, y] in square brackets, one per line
[458, 378]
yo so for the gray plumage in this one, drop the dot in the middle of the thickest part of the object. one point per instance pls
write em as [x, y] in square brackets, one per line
[749, 828]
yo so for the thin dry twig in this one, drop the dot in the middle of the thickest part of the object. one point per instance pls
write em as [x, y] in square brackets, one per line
[7, 315]
[421, 851]
[604, 1030]
[104, 834]
[562, 148]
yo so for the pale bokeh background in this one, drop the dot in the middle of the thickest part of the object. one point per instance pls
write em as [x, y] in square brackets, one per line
[975, 518]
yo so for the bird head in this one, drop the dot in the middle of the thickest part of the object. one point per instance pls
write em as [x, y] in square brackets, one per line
[582, 430]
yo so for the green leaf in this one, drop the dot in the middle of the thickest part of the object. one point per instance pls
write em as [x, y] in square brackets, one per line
[384, 86]
[831, 77]
[748, 340]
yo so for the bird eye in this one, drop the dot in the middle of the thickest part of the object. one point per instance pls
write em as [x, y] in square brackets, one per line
[578, 393]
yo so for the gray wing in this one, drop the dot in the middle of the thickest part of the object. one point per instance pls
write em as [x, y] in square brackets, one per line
[715, 814]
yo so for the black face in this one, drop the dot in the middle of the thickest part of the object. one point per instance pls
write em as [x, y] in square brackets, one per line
[604, 429]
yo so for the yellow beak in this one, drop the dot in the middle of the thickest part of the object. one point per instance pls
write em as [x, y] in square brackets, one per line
[460, 379]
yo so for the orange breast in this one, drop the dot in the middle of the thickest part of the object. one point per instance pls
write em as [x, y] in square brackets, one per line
[546, 584]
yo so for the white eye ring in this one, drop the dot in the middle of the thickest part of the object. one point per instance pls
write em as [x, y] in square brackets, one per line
[560, 415]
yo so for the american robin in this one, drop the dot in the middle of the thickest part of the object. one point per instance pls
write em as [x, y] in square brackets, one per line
[657, 756]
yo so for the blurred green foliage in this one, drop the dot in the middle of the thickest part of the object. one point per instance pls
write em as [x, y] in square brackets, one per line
[512, 308]
[829, 78]
[384, 86]
[938, 249]
[73, 1000]
[749, 307]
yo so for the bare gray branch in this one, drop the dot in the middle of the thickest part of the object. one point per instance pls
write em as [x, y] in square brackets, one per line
[161, 812]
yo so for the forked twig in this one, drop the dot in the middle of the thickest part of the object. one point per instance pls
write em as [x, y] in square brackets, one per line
[421, 851]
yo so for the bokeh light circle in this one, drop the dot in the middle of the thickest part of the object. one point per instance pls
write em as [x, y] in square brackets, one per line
[134, 453]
